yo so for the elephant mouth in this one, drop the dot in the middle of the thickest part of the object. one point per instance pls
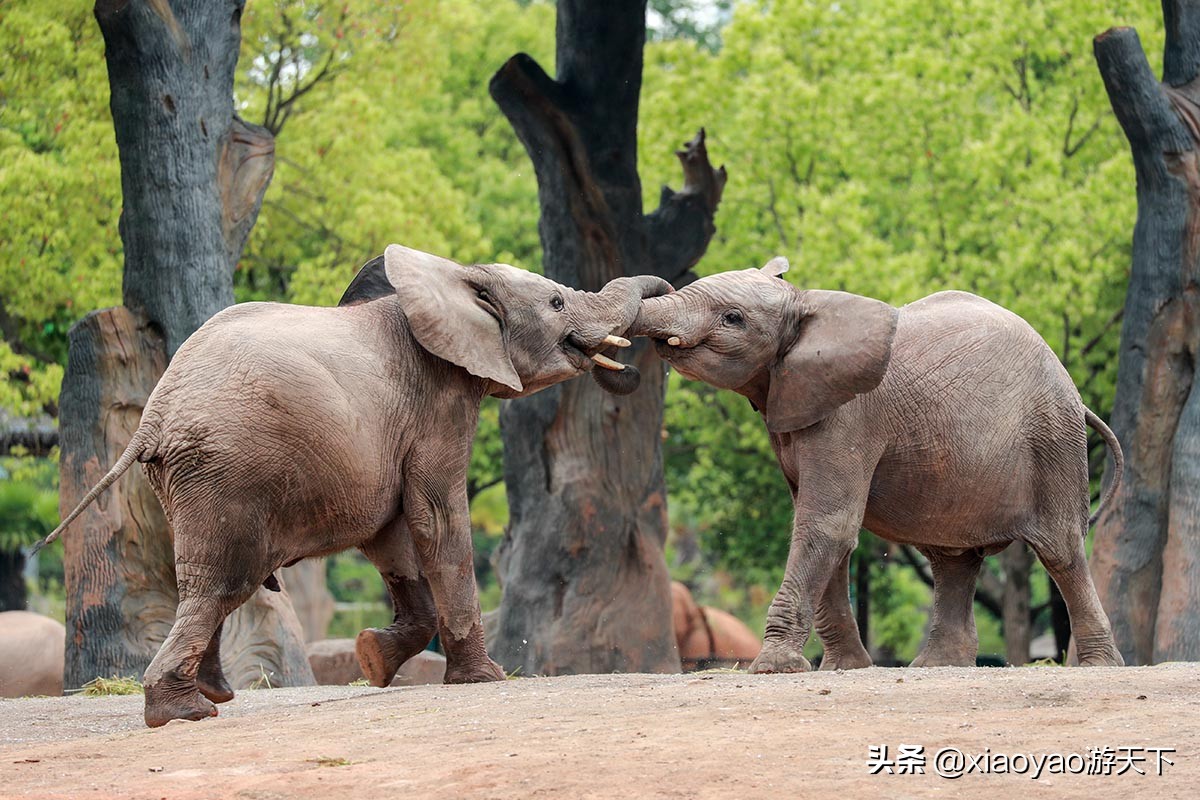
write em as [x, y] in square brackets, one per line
[576, 352]
[584, 358]
[669, 349]
[673, 354]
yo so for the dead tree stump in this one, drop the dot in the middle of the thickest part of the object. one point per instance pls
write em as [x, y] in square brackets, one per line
[1147, 549]
[585, 583]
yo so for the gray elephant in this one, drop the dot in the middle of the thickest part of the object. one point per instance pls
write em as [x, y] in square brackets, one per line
[947, 424]
[282, 432]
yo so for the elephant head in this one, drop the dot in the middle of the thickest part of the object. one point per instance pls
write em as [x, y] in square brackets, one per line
[517, 329]
[797, 354]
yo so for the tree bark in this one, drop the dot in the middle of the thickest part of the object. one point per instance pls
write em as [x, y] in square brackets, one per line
[585, 582]
[192, 172]
[1017, 561]
[192, 180]
[117, 560]
[1147, 548]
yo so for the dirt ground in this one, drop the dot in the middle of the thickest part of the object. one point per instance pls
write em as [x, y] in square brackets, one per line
[716, 734]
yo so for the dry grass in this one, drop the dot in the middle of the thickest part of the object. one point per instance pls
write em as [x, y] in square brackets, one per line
[109, 687]
[263, 681]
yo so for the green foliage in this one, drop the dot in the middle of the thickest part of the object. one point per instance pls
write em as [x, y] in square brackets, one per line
[28, 500]
[61, 184]
[487, 465]
[398, 143]
[699, 21]
[899, 148]
[899, 607]
[723, 479]
[351, 578]
[991, 637]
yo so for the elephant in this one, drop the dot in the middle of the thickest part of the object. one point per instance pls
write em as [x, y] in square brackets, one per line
[32, 650]
[282, 432]
[947, 424]
[707, 636]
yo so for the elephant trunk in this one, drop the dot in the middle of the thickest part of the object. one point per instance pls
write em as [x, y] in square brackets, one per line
[637, 286]
[654, 319]
[619, 303]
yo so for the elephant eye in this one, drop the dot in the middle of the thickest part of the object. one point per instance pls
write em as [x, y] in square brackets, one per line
[556, 302]
[733, 317]
[483, 294]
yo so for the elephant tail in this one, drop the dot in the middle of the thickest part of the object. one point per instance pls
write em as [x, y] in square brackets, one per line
[1114, 447]
[138, 445]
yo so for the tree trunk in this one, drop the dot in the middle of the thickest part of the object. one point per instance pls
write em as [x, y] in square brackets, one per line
[585, 582]
[118, 563]
[1147, 548]
[192, 173]
[1017, 561]
[12, 580]
[192, 180]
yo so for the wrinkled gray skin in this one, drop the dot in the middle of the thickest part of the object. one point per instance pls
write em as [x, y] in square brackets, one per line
[282, 432]
[947, 424]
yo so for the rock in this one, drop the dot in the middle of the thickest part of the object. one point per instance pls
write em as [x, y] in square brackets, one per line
[335, 664]
[32, 649]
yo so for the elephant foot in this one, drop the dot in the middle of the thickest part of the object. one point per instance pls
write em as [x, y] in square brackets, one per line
[933, 656]
[373, 650]
[1105, 654]
[175, 698]
[479, 672]
[212, 684]
[779, 658]
[860, 659]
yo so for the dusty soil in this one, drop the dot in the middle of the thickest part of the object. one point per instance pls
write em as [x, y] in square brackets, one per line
[700, 735]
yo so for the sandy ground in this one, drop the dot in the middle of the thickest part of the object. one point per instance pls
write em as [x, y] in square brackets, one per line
[713, 734]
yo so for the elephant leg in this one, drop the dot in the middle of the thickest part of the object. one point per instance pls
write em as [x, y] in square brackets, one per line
[836, 624]
[210, 679]
[215, 574]
[381, 651]
[1066, 561]
[829, 510]
[435, 505]
[953, 639]
[170, 680]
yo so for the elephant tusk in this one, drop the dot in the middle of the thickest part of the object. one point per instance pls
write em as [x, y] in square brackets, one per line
[674, 341]
[608, 363]
[616, 341]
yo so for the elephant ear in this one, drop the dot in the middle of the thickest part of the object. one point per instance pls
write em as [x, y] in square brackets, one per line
[446, 315]
[775, 267]
[369, 284]
[842, 350]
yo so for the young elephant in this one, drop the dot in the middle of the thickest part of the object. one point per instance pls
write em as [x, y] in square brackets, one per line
[282, 432]
[947, 424]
